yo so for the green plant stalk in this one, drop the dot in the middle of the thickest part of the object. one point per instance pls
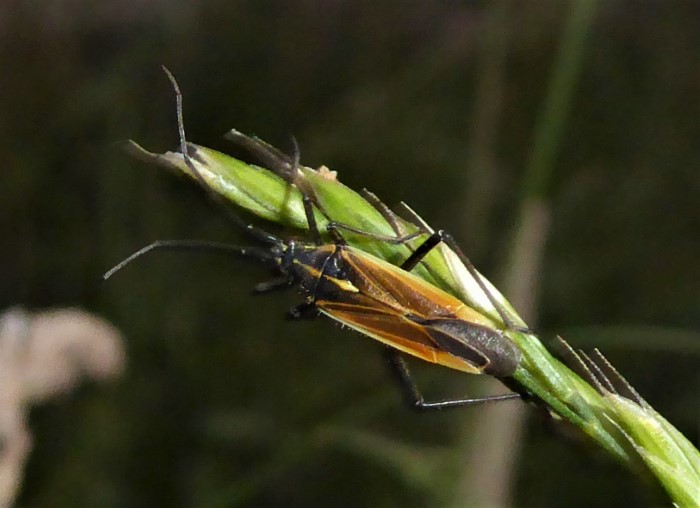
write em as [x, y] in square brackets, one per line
[550, 124]
[632, 433]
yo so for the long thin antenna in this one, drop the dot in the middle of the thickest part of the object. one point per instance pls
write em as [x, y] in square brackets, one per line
[192, 246]
[253, 231]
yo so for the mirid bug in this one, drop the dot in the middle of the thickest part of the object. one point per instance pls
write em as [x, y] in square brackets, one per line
[378, 299]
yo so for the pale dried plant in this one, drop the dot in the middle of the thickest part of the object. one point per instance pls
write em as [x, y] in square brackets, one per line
[43, 355]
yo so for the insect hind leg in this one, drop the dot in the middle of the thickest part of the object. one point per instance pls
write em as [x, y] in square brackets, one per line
[413, 396]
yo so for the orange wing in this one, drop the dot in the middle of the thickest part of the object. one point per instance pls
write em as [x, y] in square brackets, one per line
[401, 332]
[406, 292]
[403, 311]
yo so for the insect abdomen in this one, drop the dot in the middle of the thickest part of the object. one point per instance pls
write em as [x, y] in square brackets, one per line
[485, 348]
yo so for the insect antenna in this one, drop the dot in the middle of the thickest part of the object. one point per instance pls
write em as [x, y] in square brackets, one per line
[257, 233]
[261, 235]
[192, 246]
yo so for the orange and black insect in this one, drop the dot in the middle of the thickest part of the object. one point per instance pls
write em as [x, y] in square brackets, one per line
[378, 299]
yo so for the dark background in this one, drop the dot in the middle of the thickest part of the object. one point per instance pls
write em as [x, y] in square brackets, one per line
[223, 402]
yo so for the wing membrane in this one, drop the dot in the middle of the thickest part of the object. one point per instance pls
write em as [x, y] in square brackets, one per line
[404, 334]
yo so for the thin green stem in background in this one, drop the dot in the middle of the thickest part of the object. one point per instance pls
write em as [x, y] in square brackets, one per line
[524, 266]
[552, 119]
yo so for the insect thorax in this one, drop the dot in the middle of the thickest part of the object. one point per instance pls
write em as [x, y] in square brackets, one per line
[305, 263]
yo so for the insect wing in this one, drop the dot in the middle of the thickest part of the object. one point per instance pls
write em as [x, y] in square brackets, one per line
[383, 323]
[404, 291]
[409, 314]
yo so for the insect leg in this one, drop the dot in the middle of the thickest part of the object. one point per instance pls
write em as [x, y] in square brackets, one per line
[423, 249]
[287, 168]
[305, 310]
[413, 396]
[271, 285]
[267, 153]
[442, 236]
[306, 198]
[385, 212]
[335, 226]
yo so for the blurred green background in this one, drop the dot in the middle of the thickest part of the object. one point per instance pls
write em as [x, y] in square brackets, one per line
[224, 403]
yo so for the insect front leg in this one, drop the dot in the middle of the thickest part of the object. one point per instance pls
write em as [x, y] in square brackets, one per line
[414, 398]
